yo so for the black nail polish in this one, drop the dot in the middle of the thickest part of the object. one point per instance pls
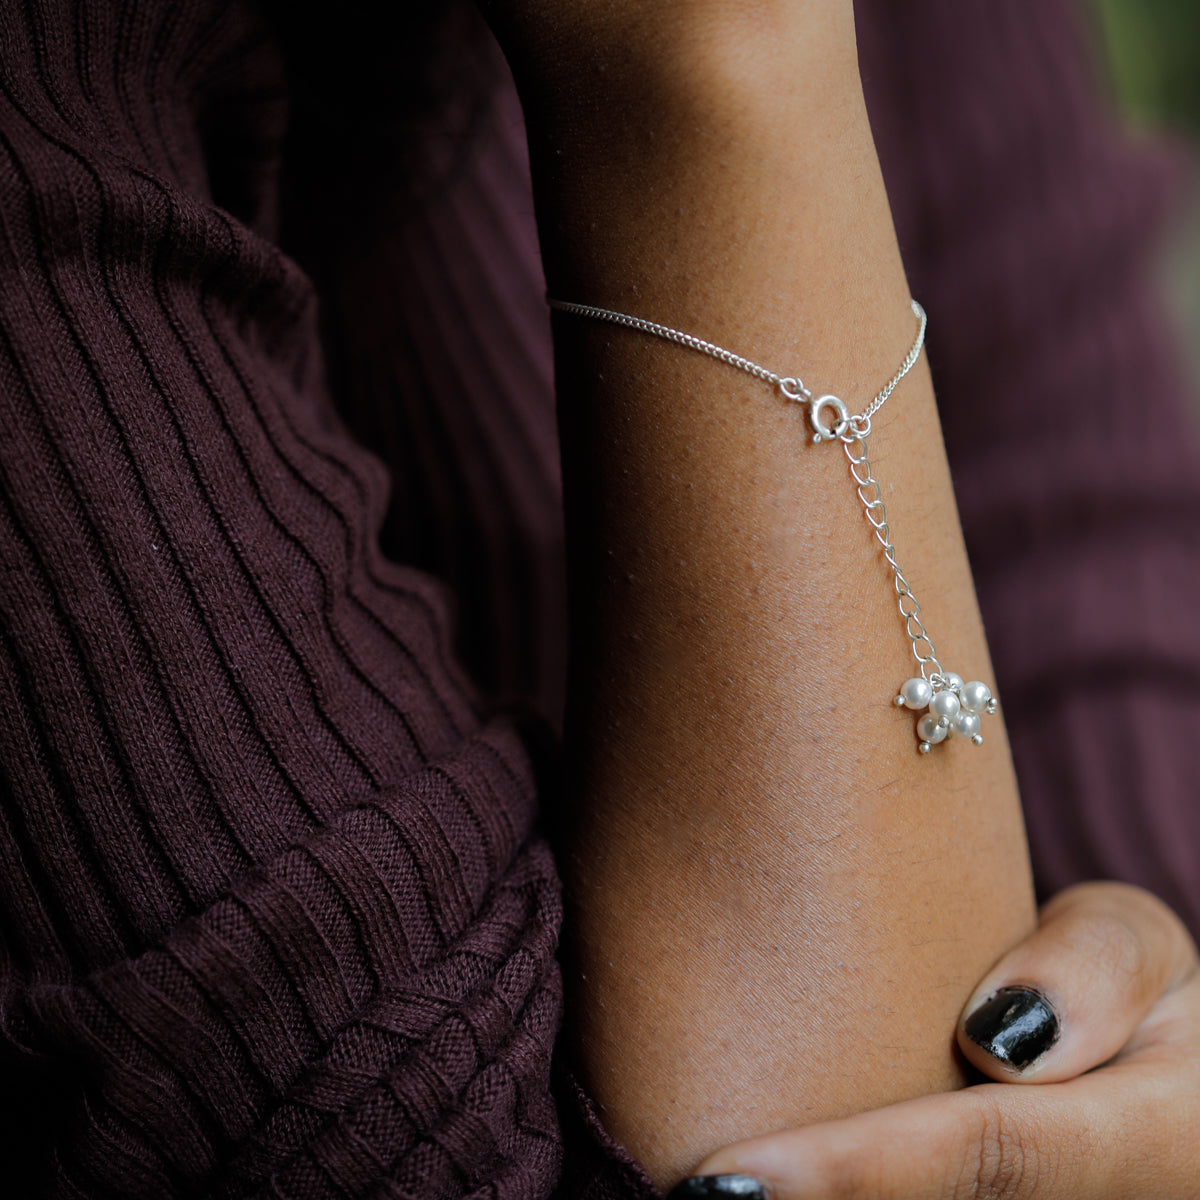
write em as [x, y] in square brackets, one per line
[718, 1187]
[1017, 1025]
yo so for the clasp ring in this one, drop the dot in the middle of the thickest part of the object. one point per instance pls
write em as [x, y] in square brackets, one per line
[834, 431]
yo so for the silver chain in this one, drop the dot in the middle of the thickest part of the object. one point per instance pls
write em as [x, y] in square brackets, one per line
[851, 431]
[907, 365]
[792, 386]
[671, 335]
[910, 606]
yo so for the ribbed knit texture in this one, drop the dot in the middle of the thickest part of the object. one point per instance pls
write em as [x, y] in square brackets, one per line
[273, 916]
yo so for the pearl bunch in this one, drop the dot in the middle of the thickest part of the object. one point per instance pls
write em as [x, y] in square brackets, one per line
[949, 708]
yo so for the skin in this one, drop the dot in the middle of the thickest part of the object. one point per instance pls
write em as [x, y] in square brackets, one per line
[757, 839]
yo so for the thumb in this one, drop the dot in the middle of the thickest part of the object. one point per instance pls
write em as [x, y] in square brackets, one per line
[1068, 997]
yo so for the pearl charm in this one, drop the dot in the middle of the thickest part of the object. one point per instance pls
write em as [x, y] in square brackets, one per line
[966, 724]
[952, 709]
[931, 730]
[916, 693]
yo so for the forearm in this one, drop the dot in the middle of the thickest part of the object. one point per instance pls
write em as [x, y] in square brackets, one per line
[764, 876]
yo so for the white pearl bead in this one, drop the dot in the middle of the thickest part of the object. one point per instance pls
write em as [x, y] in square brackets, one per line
[975, 696]
[917, 693]
[978, 739]
[928, 730]
[925, 747]
[944, 704]
[966, 724]
[952, 681]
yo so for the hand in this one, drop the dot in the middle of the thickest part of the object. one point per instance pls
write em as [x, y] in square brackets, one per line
[1106, 1024]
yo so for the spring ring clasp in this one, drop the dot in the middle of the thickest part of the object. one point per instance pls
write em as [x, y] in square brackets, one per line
[841, 422]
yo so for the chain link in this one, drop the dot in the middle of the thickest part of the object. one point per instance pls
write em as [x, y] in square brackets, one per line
[790, 385]
[906, 366]
[851, 431]
[671, 335]
[871, 496]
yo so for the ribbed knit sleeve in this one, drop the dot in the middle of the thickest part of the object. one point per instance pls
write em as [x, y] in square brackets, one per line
[272, 915]
[433, 303]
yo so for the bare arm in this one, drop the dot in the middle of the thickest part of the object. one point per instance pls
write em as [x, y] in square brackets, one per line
[778, 906]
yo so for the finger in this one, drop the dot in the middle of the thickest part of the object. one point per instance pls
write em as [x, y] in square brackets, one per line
[1070, 996]
[1126, 1131]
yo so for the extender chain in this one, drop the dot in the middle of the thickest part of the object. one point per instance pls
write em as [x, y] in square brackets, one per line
[948, 707]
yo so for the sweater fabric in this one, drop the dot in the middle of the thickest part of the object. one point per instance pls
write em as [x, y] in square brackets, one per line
[275, 915]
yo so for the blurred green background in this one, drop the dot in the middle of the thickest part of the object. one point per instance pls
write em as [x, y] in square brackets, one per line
[1153, 49]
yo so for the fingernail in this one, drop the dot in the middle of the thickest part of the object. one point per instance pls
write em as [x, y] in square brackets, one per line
[718, 1187]
[1017, 1025]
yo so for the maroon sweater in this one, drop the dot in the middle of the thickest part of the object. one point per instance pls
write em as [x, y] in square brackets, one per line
[274, 916]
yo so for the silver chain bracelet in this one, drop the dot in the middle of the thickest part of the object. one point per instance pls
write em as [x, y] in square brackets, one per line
[948, 707]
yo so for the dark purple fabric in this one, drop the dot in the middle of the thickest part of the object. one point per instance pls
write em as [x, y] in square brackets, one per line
[275, 919]
[274, 916]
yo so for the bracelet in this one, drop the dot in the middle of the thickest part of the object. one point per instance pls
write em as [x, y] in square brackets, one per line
[948, 707]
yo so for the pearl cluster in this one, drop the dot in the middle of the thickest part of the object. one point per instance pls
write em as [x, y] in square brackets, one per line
[953, 708]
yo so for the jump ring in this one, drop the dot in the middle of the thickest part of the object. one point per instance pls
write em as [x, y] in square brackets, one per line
[793, 388]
